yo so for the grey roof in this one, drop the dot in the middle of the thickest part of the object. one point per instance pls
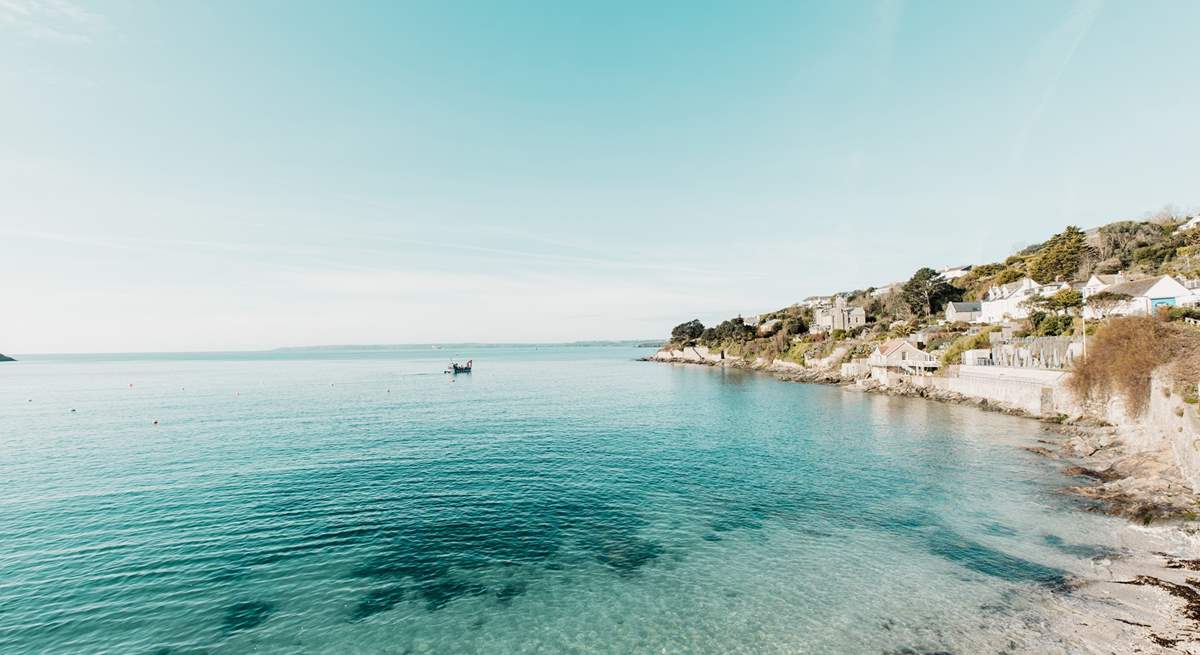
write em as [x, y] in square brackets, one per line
[1135, 288]
[967, 306]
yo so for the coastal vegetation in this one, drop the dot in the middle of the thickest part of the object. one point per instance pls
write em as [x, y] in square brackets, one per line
[1125, 352]
[927, 292]
[968, 342]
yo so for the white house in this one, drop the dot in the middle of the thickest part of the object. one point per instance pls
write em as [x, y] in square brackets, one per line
[955, 272]
[900, 356]
[1146, 296]
[965, 312]
[1007, 301]
[1097, 283]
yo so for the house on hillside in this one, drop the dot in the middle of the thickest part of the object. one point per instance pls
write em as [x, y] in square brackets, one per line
[1147, 296]
[900, 356]
[838, 316]
[955, 272]
[1097, 283]
[1007, 301]
[886, 289]
[767, 328]
[965, 312]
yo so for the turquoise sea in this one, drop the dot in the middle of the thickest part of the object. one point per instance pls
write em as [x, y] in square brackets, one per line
[556, 500]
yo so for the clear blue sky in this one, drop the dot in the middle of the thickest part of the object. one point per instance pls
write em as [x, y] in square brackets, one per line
[206, 175]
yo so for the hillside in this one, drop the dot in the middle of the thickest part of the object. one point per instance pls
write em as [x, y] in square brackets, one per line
[6, 358]
[1164, 244]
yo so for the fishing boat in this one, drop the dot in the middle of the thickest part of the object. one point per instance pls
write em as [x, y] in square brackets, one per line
[456, 368]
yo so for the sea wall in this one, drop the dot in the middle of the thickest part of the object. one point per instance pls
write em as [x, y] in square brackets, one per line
[1036, 392]
[1167, 423]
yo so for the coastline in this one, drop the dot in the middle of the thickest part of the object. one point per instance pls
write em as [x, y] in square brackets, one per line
[1145, 599]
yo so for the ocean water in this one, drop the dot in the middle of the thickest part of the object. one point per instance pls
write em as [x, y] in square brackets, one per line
[557, 500]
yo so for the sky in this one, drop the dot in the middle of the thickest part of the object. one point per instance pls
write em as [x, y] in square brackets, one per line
[243, 175]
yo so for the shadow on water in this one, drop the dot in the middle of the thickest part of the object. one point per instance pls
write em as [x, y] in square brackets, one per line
[926, 530]
[246, 615]
[378, 600]
[437, 561]
[1086, 551]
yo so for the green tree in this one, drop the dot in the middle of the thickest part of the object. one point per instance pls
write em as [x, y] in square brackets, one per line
[926, 292]
[1064, 301]
[689, 331]
[1061, 257]
[1106, 302]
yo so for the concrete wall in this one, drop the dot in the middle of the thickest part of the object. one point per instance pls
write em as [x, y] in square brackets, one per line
[1167, 423]
[1037, 392]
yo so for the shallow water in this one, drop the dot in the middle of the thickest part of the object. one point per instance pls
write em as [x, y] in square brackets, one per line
[558, 499]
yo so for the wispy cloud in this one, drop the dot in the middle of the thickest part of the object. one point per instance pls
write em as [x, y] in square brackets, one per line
[50, 20]
[334, 251]
[1048, 63]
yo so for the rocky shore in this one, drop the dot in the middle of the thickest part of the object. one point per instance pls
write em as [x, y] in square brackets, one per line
[1147, 599]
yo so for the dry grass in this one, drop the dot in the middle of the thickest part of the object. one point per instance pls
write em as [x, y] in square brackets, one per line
[1125, 352]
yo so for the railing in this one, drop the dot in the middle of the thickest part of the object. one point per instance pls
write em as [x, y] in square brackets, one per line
[1037, 353]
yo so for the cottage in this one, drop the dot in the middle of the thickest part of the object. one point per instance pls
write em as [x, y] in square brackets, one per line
[901, 356]
[1007, 301]
[1097, 283]
[964, 312]
[1146, 296]
[954, 272]
[839, 316]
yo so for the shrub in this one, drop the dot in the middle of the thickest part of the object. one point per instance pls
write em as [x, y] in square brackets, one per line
[953, 354]
[1051, 325]
[1178, 313]
[1125, 352]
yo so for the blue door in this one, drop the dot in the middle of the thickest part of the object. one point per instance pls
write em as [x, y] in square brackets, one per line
[1155, 303]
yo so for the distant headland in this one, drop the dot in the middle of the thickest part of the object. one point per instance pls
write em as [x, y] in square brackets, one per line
[637, 343]
[6, 358]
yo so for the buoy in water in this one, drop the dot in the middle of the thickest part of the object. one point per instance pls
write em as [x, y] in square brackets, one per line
[156, 421]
